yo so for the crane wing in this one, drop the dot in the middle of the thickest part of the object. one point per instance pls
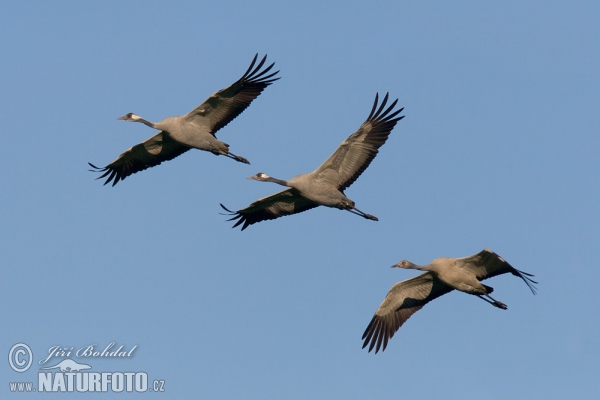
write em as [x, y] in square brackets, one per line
[281, 204]
[403, 300]
[355, 153]
[487, 264]
[226, 104]
[150, 153]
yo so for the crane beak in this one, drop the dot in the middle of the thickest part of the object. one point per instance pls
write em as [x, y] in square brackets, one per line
[123, 117]
[395, 265]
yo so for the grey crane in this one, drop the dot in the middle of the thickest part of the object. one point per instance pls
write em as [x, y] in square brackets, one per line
[443, 275]
[195, 129]
[325, 185]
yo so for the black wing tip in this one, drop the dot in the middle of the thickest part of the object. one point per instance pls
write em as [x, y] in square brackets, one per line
[252, 65]
[381, 115]
[376, 336]
[527, 279]
[236, 215]
[227, 209]
[255, 75]
[95, 169]
[110, 174]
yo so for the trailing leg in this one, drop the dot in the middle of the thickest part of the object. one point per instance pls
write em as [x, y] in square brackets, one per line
[493, 301]
[356, 211]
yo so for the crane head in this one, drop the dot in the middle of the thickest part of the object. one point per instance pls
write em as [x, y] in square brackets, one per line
[261, 176]
[404, 264]
[130, 117]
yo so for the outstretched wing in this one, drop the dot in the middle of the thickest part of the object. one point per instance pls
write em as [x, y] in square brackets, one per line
[355, 153]
[403, 300]
[487, 264]
[226, 104]
[286, 202]
[150, 153]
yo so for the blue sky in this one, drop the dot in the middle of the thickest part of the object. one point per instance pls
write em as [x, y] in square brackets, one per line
[499, 149]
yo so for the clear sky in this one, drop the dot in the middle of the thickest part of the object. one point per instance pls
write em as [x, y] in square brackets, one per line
[499, 149]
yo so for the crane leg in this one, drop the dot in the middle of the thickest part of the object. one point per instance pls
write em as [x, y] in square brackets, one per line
[356, 211]
[236, 158]
[493, 301]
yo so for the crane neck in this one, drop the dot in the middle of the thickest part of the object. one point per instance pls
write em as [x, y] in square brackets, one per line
[147, 123]
[410, 265]
[277, 181]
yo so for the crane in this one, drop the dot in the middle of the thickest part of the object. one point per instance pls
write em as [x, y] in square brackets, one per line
[325, 185]
[195, 129]
[442, 276]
